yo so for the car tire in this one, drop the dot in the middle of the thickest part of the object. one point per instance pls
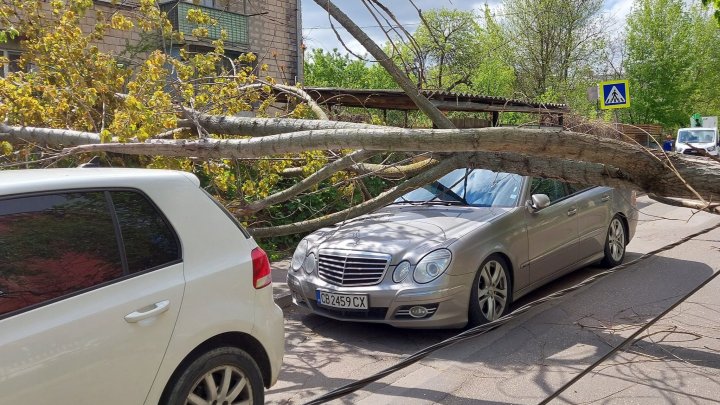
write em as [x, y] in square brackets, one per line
[491, 293]
[615, 242]
[228, 371]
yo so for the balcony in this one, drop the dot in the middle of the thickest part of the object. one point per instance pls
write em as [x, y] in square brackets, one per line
[236, 25]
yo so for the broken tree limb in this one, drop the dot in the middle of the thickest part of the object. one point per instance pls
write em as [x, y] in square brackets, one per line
[48, 136]
[684, 203]
[245, 126]
[326, 172]
[368, 206]
[636, 164]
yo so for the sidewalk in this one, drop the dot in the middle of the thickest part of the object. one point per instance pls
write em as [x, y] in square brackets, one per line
[281, 292]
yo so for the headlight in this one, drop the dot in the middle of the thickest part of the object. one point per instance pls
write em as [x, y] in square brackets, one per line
[711, 148]
[310, 264]
[401, 271]
[432, 266]
[299, 255]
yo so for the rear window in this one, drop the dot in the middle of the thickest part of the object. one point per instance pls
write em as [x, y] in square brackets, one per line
[147, 238]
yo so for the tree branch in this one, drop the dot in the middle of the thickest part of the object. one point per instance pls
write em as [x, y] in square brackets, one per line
[694, 204]
[648, 171]
[437, 117]
[306, 183]
[368, 206]
[67, 137]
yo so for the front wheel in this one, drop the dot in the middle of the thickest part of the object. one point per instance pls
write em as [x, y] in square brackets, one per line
[491, 293]
[222, 376]
[615, 243]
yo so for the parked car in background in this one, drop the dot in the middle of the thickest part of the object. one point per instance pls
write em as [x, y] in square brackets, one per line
[122, 286]
[693, 141]
[459, 250]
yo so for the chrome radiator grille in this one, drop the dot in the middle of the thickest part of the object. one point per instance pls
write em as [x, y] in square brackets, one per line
[350, 268]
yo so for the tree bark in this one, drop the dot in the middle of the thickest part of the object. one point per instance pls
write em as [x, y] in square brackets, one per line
[48, 136]
[368, 206]
[647, 170]
[243, 126]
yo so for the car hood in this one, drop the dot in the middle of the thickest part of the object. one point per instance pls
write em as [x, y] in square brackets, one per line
[399, 229]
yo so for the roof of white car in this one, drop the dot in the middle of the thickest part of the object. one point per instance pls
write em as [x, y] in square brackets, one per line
[35, 180]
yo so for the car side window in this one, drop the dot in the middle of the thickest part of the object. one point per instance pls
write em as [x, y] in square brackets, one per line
[577, 187]
[554, 189]
[55, 245]
[148, 240]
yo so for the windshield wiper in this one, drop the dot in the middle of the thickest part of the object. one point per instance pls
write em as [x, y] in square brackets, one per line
[444, 202]
[430, 202]
[446, 191]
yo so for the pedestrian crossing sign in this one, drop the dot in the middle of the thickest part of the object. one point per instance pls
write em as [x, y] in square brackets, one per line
[614, 94]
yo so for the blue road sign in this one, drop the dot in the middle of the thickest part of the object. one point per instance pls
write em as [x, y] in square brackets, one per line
[614, 94]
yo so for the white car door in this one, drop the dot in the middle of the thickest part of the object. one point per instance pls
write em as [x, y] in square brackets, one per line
[79, 322]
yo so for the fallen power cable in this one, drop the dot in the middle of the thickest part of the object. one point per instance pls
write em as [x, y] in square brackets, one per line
[482, 329]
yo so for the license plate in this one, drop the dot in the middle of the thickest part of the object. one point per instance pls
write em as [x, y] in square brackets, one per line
[344, 301]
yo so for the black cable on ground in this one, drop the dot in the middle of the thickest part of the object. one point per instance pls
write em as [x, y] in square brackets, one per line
[631, 339]
[482, 329]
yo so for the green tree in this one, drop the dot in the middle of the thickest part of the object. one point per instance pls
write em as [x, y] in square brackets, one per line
[661, 62]
[445, 48]
[706, 52]
[332, 69]
[493, 74]
[716, 5]
[555, 44]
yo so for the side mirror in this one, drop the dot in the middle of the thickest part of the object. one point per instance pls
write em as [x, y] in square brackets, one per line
[538, 202]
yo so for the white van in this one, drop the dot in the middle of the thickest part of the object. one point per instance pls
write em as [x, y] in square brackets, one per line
[700, 138]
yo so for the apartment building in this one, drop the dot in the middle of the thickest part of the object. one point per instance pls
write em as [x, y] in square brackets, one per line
[271, 29]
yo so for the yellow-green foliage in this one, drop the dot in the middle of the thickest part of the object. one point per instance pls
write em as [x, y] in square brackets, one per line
[68, 82]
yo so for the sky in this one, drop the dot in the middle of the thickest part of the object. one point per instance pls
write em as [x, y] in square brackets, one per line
[318, 34]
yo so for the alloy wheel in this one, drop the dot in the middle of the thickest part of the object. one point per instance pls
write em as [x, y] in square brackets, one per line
[616, 240]
[224, 385]
[492, 290]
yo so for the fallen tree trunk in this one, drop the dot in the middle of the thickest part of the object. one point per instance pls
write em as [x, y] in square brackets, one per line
[650, 171]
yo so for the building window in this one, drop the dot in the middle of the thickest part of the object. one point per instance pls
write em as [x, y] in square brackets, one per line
[13, 65]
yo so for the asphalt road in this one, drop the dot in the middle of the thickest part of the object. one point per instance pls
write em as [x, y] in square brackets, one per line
[523, 362]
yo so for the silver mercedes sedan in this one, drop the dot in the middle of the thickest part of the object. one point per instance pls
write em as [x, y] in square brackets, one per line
[458, 251]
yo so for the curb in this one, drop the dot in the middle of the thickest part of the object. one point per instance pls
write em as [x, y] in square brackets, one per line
[281, 292]
[283, 300]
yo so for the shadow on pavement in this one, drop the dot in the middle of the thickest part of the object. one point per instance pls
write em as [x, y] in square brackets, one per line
[556, 339]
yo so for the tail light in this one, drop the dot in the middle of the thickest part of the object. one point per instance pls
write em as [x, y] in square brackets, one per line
[261, 268]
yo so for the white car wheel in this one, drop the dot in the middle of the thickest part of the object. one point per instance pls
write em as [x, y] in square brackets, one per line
[222, 376]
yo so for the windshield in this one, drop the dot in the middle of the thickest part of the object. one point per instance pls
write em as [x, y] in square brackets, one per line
[474, 187]
[699, 136]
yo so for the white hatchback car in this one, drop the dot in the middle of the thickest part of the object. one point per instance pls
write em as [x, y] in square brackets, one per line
[130, 286]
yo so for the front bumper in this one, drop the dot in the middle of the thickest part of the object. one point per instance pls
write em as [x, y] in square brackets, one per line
[447, 298]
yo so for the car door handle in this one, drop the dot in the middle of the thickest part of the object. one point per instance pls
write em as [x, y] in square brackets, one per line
[572, 211]
[148, 311]
[605, 198]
